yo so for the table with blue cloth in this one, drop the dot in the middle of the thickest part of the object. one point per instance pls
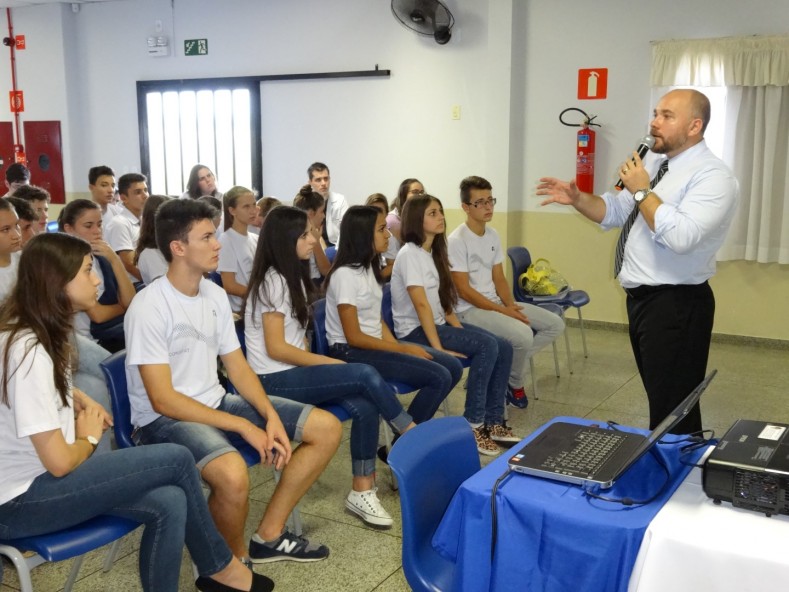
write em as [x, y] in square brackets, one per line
[551, 536]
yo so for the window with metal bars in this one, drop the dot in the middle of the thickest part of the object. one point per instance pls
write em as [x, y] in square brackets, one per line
[214, 123]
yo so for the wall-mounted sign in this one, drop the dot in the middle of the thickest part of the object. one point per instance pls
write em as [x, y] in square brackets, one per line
[593, 83]
[19, 41]
[196, 47]
[17, 101]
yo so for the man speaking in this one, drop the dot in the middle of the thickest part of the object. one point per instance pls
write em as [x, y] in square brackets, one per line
[675, 210]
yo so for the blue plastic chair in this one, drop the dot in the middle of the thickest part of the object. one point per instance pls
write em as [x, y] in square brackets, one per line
[430, 462]
[331, 253]
[114, 369]
[215, 277]
[65, 544]
[520, 259]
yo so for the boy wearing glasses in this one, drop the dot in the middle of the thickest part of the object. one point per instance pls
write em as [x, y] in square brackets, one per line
[485, 298]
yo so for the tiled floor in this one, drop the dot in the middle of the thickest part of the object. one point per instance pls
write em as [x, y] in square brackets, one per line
[752, 383]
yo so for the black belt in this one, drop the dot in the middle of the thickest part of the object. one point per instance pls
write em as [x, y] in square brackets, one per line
[644, 291]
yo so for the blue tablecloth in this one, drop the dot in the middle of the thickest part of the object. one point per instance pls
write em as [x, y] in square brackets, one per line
[552, 537]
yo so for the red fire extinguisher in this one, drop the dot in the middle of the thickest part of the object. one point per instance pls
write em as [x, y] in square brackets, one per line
[584, 150]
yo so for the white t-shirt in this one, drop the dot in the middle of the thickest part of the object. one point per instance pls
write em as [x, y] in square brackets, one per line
[392, 221]
[81, 319]
[112, 211]
[475, 255]
[414, 267]
[8, 275]
[358, 288]
[151, 264]
[236, 256]
[336, 206]
[35, 408]
[275, 298]
[165, 326]
[122, 233]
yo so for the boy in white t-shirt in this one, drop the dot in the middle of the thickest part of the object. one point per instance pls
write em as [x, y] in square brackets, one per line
[485, 298]
[175, 329]
[123, 230]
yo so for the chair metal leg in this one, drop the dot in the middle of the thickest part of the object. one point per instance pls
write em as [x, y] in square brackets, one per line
[583, 333]
[112, 554]
[556, 360]
[72, 576]
[533, 379]
[569, 356]
[22, 564]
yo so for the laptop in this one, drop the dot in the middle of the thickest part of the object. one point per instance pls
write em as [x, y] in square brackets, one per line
[591, 456]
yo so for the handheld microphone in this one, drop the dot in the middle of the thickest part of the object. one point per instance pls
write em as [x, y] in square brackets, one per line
[644, 146]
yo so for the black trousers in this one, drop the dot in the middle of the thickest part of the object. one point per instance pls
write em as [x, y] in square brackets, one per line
[670, 332]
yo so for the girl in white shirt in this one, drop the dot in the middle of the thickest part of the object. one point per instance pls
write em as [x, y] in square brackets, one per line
[103, 322]
[423, 300]
[49, 477]
[408, 189]
[238, 244]
[354, 327]
[147, 257]
[275, 322]
[10, 245]
[313, 203]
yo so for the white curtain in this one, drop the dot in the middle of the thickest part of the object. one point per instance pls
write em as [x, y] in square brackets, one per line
[755, 131]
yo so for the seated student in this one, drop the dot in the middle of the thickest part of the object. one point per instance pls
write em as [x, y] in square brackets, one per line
[101, 183]
[175, 329]
[28, 219]
[485, 298]
[378, 200]
[264, 204]
[423, 300]
[238, 244]
[103, 322]
[123, 230]
[50, 478]
[313, 203]
[202, 181]
[354, 327]
[408, 189]
[39, 199]
[275, 323]
[147, 256]
[16, 175]
[10, 247]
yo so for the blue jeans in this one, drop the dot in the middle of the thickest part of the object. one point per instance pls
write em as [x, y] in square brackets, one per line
[434, 378]
[358, 389]
[157, 486]
[89, 379]
[491, 361]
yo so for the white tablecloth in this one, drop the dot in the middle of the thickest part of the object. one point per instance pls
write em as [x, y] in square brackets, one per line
[695, 546]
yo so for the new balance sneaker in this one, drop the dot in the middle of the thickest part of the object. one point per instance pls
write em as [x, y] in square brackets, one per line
[502, 435]
[288, 547]
[367, 506]
[485, 445]
[517, 397]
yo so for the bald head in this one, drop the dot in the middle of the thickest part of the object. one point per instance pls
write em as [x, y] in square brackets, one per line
[698, 104]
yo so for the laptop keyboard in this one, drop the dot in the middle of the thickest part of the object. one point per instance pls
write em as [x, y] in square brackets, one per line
[591, 450]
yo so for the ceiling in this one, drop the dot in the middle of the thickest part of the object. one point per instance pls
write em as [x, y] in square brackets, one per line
[21, 3]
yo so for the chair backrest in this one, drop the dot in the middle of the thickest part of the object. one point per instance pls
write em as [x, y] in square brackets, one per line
[520, 259]
[331, 253]
[430, 462]
[114, 369]
[215, 277]
[386, 307]
[320, 345]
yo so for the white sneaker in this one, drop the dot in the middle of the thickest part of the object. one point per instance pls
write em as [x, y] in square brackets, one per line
[367, 506]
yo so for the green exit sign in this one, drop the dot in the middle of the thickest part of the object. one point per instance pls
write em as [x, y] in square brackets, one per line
[196, 47]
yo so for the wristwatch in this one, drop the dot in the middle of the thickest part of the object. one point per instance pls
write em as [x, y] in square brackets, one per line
[91, 440]
[641, 195]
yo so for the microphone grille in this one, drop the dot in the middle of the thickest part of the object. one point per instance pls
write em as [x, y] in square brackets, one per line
[648, 141]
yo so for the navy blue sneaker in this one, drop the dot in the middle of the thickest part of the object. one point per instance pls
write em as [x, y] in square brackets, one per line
[288, 547]
[517, 397]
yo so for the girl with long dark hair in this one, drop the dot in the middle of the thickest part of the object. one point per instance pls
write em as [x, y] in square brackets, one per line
[49, 477]
[354, 327]
[275, 323]
[423, 301]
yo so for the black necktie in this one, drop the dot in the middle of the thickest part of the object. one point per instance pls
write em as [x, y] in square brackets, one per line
[620, 245]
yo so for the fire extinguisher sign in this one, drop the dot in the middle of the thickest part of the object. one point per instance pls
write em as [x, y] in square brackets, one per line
[593, 83]
[16, 99]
